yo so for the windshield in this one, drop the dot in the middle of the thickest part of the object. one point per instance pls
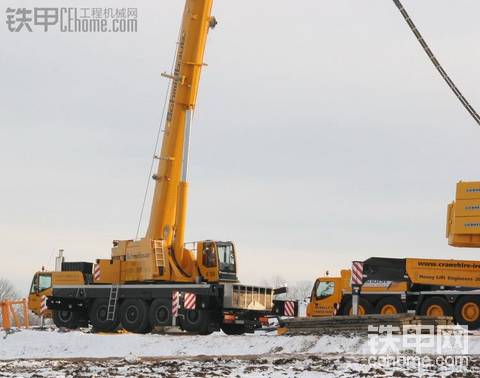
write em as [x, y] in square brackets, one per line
[325, 289]
[44, 282]
[226, 256]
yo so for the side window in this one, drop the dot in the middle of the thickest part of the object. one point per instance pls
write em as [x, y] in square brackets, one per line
[231, 255]
[34, 284]
[44, 282]
[226, 255]
[208, 256]
[325, 289]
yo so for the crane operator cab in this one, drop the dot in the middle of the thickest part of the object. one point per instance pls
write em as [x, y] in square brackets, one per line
[216, 261]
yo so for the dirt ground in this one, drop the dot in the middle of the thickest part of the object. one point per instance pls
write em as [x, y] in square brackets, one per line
[226, 366]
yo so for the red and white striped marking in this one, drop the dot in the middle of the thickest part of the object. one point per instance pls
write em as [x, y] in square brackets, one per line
[189, 301]
[335, 309]
[175, 303]
[357, 273]
[289, 308]
[43, 305]
[96, 272]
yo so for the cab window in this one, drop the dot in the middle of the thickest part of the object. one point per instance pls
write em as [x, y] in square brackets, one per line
[226, 256]
[44, 282]
[209, 259]
[325, 289]
[34, 285]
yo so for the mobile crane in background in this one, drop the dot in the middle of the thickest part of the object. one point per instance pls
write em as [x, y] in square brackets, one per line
[156, 280]
[432, 287]
[333, 295]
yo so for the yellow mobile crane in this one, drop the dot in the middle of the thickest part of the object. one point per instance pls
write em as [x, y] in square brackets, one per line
[432, 287]
[149, 282]
[332, 295]
[161, 254]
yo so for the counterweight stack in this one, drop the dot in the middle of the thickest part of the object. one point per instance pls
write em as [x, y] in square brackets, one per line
[463, 216]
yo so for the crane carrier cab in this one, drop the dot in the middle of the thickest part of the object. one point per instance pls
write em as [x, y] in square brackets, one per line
[44, 281]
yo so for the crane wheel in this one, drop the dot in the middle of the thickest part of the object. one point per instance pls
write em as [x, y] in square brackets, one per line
[467, 312]
[98, 316]
[134, 315]
[66, 319]
[233, 329]
[364, 307]
[196, 321]
[436, 306]
[160, 313]
[389, 306]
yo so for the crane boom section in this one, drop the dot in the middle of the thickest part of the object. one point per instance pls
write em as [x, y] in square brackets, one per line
[186, 76]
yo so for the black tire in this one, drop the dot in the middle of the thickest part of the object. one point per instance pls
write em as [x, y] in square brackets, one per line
[160, 313]
[436, 306]
[98, 316]
[389, 306]
[467, 311]
[362, 302]
[134, 315]
[66, 319]
[233, 329]
[195, 321]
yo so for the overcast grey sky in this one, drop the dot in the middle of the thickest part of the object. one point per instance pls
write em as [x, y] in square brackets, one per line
[322, 132]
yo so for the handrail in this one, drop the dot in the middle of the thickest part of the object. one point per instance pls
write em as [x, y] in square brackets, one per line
[7, 310]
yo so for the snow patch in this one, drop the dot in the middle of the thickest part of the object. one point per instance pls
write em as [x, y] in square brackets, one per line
[28, 344]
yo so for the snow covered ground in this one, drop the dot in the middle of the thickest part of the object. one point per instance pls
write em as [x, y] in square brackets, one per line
[28, 344]
[29, 353]
[53, 344]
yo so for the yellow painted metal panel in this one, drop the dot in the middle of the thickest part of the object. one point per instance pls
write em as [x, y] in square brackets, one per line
[456, 240]
[466, 225]
[468, 190]
[450, 210]
[444, 272]
[67, 278]
[109, 271]
[467, 208]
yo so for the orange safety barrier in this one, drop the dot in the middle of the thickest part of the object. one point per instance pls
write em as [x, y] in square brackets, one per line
[7, 311]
